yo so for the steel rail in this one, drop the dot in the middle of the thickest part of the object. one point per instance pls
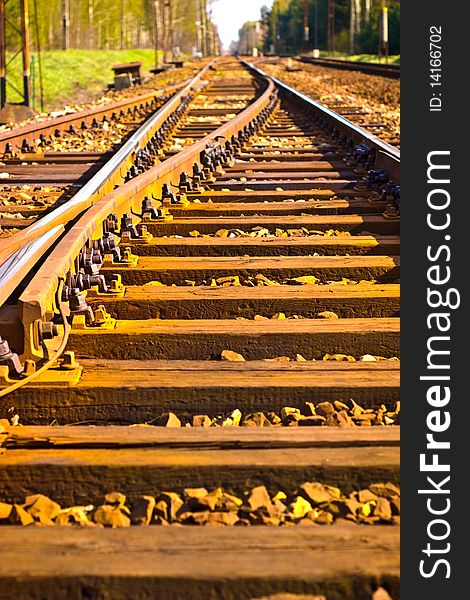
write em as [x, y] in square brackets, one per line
[100, 184]
[384, 70]
[31, 132]
[387, 156]
[37, 299]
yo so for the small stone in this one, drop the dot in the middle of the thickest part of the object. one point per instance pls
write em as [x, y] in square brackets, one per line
[195, 492]
[383, 509]
[222, 518]
[212, 499]
[327, 314]
[168, 419]
[340, 405]
[5, 510]
[168, 504]
[300, 358]
[340, 419]
[317, 493]
[202, 421]
[232, 356]
[142, 511]
[300, 507]
[108, 516]
[395, 505]
[115, 498]
[289, 414]
[41, 508]
[274, 418]
[367, 358]
[257, 419]
[366, 496]
[324, 518]
[259, 498]
[381, 594]
[75, 515]
[18, 516]
[310, 409]
[355, 408]
[387, 490]
[313, 421]
[228, 502]
[324, 409]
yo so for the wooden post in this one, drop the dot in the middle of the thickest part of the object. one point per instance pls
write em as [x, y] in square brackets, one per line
[352, 25]
[65, 25]
[331, 26]
[3, 80]
[156, 15]
[26, 56]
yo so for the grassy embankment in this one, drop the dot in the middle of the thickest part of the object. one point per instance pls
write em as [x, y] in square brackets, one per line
[74, 76]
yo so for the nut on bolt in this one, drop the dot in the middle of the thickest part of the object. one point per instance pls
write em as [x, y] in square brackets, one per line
[48, 330]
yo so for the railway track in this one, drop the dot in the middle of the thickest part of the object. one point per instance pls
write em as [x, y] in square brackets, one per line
[368, 101]
[382, 69]
[243, 308]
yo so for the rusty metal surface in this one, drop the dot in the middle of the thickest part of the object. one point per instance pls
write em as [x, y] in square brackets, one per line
[100, 184]
[38, 295]
[31, 132]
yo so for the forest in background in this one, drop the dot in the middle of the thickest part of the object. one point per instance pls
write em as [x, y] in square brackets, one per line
[115, 24]
[283, 26]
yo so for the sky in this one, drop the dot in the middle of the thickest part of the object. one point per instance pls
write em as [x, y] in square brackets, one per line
[229, 16]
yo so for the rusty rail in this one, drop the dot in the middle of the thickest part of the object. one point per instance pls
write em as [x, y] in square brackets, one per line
[38, 298]
[30, 133]
[112, 173]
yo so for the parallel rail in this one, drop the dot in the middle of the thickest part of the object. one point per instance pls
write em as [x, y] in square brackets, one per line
[384, 70]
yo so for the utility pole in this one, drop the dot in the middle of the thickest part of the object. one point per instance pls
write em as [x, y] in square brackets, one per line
[352, 25]
[65, 25]
[306, 35]
[18, 23]
[198, 26]
[383, 31]
[331, 27]
[315, 25]
[3, 78]
[156, 30]
[26, 56]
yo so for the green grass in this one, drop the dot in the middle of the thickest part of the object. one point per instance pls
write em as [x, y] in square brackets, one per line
[393, 59]
[74, 76]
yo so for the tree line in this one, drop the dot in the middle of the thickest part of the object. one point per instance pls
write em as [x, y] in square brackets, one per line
[351, 26]
[117, 24]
